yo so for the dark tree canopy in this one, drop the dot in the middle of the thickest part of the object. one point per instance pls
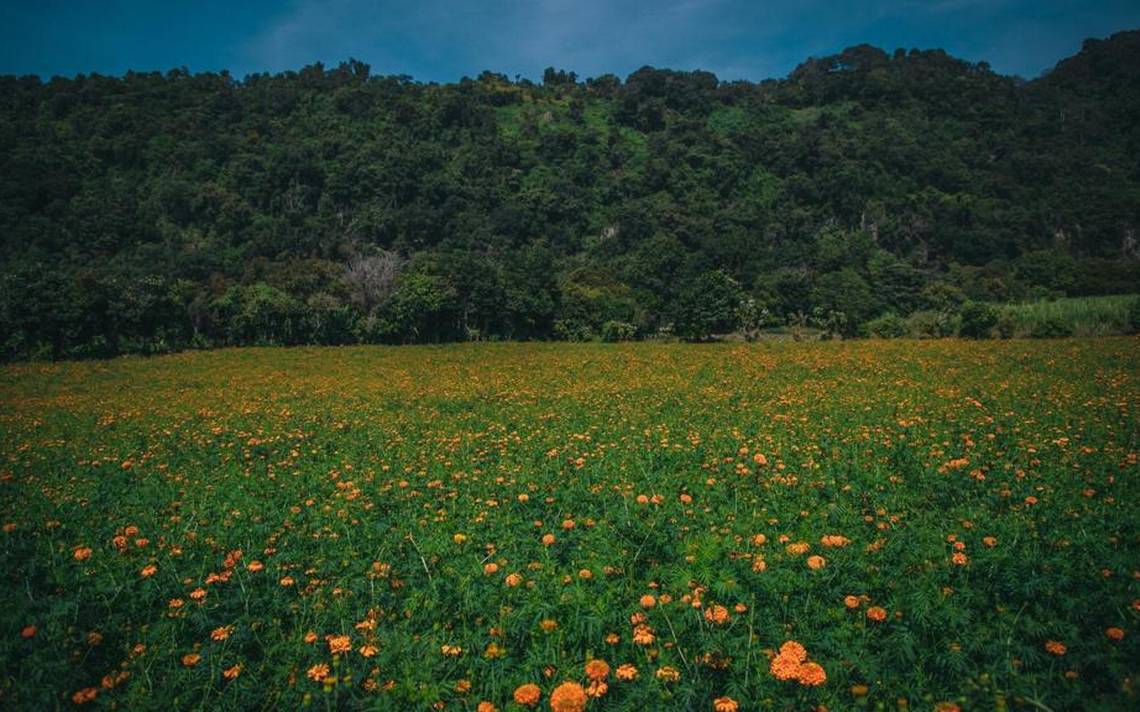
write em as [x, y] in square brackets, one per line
[153, 211]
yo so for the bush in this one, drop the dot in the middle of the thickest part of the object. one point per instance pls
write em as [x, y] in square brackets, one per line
[931, 324]
[887, 326]
[618, 331]
[978, 320]
[1051, 328]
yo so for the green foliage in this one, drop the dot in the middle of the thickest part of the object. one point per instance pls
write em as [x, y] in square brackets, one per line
[864, 183]
[710, 305]
[887, 326]
[978, 320]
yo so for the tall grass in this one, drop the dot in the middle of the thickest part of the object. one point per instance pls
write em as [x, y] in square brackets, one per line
[1078, 316]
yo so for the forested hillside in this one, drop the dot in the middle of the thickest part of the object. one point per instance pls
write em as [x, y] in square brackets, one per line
[159, 211]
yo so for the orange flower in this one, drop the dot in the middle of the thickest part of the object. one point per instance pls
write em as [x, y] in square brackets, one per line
[626, 672]
[989, 541]
[85, 695]
[668, 674]
[811, 675]
[231, 673]
[759, 565]
[794, 651]
[368, 650]
[486, 706]
[547, 539]
[959, 559]
[647, 601]
[643, 635]
[717, 614]
[1114, 633]
[851, 602]
[148, 571]
[339, 644]
[1055, 647]
[798, 548]
[310, 637]
[28, 631]
[317, 672]
[784, 667]
[597, 670]
[255, 566]
[568, 697]
[191, 659]
[513, 580]
[597, 689]
[528, 694]
[876, 614]
[451, 651]
[490, 567]
[81, 553]
[816, 562]
[725, 704]
[459, 538]
[287, 581]
[219, 634]
[762, 461]
[198, 594]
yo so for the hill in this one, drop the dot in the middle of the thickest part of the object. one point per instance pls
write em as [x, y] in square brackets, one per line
[153, 211]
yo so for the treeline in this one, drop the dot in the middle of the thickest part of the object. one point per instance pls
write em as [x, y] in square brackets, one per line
[154, 212]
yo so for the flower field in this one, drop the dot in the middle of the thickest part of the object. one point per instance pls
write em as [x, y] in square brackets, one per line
[861, 525]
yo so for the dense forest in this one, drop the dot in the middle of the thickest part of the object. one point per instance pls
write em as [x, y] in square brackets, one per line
[867, 191]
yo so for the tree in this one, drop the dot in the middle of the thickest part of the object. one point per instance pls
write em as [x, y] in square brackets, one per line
[709, 305]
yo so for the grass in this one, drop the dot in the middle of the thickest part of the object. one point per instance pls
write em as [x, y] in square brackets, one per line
[434, 527]
[1078, 316]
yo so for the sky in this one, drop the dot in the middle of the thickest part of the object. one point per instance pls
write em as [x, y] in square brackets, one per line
[434, 40]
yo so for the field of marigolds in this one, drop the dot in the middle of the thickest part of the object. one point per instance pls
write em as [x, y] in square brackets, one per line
[843, 526]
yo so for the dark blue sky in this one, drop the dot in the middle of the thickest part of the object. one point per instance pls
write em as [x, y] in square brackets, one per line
[434, 40]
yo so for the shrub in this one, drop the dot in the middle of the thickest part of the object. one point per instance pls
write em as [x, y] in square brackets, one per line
[978, 320]
[618, 331]
[1051, 328]
[887, 326]
[931, 324]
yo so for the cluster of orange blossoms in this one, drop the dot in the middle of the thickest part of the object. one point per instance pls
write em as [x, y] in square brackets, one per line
[791, 663]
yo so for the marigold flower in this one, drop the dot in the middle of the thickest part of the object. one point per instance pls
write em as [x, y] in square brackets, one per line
[486, 706]
[339, 644]
[81, 553]
[798, 548]
[547, 539]
[851, 602]
[310, 637]
[220, 634]
[1114, 633]
[463, 686]
[725, 704]
[28, 631]
[794, 651]
[568, 697]
[459, 538]
[528, 694]
[318, 672]
[597, 688]
[1055, 647]
[784, 667]
[513, 580]
[816, 562]
[231, 673]
[287, 581]
[759, 565]
[626, 672]
[647, 601]
[811, 674]
[597, 670]
[191, 659]
[643, 635]
[148, 571]
[717, 614]
[368, 650]
[490, 567]
[254, 566]
[198, 594]
[668, 673]
[85, 695]
[876, 614]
